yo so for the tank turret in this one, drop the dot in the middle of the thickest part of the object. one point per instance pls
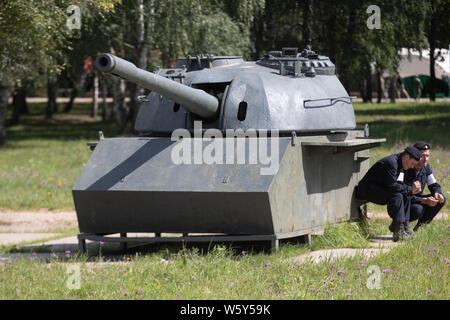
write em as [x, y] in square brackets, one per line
[287, 90]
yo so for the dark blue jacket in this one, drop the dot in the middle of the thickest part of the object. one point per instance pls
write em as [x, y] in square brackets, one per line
[426, 178]
[387, 173]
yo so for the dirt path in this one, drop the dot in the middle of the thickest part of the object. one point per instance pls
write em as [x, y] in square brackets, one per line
[384, 215]
[37, 221]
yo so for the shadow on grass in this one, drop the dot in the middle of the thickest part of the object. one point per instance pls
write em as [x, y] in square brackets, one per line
[61, 131]
[76, 125]
[232, 249]
[113, 252]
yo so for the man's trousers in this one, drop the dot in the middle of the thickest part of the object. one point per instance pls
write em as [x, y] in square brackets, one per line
[398, 205]
[423, 212]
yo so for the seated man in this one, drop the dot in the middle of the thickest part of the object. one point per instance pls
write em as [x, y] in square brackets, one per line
[384, 184]
[424, 208]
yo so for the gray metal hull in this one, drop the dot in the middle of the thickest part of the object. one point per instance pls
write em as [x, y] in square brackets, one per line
[132, 185]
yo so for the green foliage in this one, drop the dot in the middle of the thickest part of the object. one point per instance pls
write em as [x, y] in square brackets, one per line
[176, 28]
[436, 24]
[218, 34]
[32, 37]
[91, 38]
[35, 39]
[356, 47]
[193, 27]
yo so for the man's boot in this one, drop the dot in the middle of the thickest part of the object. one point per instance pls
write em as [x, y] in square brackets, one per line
[409, 233]
[406, 228]
[417, 226]
[391, 227]
[399, 232]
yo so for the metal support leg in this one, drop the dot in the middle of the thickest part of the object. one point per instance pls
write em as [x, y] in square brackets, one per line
[309, 240]
[274, 244]
[82, 246]
[123, 245]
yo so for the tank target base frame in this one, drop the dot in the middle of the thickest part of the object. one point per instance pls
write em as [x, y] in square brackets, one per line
[192, 238]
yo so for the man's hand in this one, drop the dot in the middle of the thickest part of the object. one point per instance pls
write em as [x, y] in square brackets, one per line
[430, 201]
[416, 188]
[439, 197]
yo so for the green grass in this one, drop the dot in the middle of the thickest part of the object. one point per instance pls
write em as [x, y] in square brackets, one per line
[221, 273]
[43, 158]
[405, 123]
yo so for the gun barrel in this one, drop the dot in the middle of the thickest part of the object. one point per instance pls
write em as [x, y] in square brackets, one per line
[195, 100]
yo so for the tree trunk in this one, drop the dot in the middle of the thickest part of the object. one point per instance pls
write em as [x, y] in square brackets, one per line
[104, 95]
[142, 55]
[332, 34]
[20, 103]
[94, 112]
[271, 31]
[392, 92]
[119, 109]
[380, 91]
[26, 90]
[362, 90]
[73, 95]
[4, 95]
[259, 37]
[52, 93]
[432, 41]
[134, 93]
[369, 85]
[307, 22]
[293, 22]
[348, 50]
[432, 86]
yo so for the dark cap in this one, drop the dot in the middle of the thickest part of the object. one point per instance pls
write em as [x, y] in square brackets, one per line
[422, 145]
[414, 152]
